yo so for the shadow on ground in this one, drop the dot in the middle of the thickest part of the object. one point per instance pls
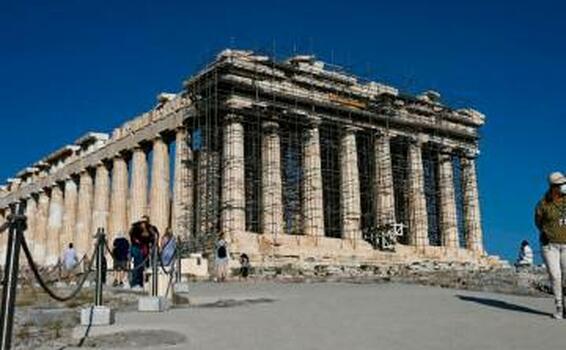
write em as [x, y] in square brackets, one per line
[233, 303]
[500, 304]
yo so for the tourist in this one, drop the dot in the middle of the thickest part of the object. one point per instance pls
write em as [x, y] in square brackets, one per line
[222, 258]
[69, 262]
[70, 259]
[168, 246]
[120, 251]
[143, 236]
[550, 219]
[525, 258]
[244, 266]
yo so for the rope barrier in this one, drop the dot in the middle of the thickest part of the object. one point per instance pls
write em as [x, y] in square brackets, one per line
[43, 284]
[109, 251]
[16, 243]
[140, 265]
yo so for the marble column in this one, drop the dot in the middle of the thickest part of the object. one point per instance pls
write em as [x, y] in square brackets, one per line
[233, 205]
[448, 218]
[313, 210]
[351, 210]
[40, 248]
[182, 211]
[118, 220]
[272, 190]
[84, 232]
[54, 224]
[472, 216]
[31, 231]
[69, 214]
[100, 205]
[159, 201]
[138, 189]
[383, 181]
[418, 219]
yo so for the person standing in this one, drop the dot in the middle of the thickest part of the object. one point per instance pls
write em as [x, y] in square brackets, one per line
[70, 260]
[550, 219]
[143, 237]
[244, 266]
[222, 258]
[168, 246]
[120, 252]
[526, 257]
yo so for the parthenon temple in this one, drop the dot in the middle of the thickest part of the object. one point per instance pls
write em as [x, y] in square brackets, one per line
[292, 160]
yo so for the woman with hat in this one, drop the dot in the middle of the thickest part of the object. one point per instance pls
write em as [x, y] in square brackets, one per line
[550, 219]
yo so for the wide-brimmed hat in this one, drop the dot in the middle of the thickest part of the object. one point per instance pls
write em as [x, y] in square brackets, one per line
[556, 178]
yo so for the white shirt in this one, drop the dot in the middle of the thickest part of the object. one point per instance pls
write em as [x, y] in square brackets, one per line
[70, 258]
[526, 256]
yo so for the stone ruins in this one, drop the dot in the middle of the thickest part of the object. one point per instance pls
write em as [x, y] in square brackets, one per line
[294, 161]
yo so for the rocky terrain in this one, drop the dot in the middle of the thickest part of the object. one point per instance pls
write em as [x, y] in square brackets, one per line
[527, 281]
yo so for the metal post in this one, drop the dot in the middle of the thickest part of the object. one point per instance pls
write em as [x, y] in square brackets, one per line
[154, 270]
[15, 236]
[99, 262]
[178, 274]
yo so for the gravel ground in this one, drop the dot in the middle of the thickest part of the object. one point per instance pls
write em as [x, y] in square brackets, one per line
[296, 303]
[280, 316]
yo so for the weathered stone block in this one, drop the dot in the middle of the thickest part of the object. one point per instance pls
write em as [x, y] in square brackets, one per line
[181, 287]
[97, 316]
[153, 304]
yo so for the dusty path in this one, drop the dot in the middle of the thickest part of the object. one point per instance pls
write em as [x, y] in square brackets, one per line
[353, 316]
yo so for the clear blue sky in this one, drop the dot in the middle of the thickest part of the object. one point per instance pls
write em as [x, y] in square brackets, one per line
[67, 67]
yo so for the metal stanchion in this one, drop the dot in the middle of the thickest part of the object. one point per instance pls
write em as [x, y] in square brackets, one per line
[178, 273]
[15, 235]
[98, 315]
[154, 271]
[101, 238]
[180, 286]
[154, 302]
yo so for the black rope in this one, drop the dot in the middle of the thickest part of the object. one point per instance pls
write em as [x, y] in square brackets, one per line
[42, 283]
[129, 270]
[108, 250]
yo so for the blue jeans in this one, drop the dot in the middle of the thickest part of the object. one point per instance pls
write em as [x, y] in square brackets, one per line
[137, 273]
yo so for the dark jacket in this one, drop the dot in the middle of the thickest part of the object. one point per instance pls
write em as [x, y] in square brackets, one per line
[550, 219]
[143, 241]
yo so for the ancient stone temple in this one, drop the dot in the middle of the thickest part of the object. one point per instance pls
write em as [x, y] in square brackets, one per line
[292, 160]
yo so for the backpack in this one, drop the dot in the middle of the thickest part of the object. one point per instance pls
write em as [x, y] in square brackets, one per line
[221, 252]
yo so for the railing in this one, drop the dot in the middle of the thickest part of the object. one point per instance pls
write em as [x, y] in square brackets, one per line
[16, 225]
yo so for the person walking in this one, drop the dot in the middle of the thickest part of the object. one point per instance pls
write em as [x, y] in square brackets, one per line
[550, 219]
[222, 258]
[120, 252]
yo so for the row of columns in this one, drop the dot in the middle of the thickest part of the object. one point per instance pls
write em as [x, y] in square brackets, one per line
[111, 199]
[233, 194]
